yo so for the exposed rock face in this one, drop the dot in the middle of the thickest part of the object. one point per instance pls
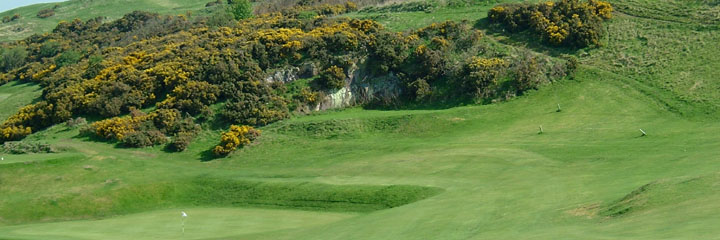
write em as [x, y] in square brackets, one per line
[360, 87]
[284, 75]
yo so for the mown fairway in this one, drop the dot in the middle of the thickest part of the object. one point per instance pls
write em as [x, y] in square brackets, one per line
[590, 175]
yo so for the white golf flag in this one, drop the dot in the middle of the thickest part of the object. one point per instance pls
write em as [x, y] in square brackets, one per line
[184, 214]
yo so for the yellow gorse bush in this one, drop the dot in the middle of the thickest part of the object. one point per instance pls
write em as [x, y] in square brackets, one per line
[235, 137]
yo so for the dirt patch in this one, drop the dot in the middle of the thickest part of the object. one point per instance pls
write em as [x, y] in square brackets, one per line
[587, 211]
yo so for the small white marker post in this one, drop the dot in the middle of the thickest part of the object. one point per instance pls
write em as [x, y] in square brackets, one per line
[559, 109]
[541, 130]
[643, 133]
[183, 216]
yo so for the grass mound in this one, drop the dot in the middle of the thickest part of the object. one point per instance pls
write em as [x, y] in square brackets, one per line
[305, 195]
[116, 199]
[664, 192]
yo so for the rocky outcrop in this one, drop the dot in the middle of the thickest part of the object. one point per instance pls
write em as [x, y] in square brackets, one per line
[284, 75]
[360, 86]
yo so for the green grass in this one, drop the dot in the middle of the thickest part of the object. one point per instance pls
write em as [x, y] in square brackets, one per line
[15, 95]
[499, 178]
[167, 224]
[30, 24]
[400, 21]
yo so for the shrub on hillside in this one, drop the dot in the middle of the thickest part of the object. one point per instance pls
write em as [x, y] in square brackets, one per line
[181, 141]
[49, 49]
[191, 97]
[309, 97]
[67, 58]
[213, 3]
[23, 147]
[526, 72]
[11, 58]
[115, 128]
[481, 74]
[76, 122]
[144, 139]
[332, 78]
[254, 103]
[14, 133]
[236, 137]
[94, 67]
[46, 13]
[571, 23]
[8, 19]
[241, 9]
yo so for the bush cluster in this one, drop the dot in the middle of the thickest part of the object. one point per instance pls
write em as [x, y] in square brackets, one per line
[332, 78]
[46, 13]
[76, 122]
[181, 68]
[23, 147]
[8, 19]
[142, 130]
[482, 73]
[570, 23]
[144, 138]
[236, 137]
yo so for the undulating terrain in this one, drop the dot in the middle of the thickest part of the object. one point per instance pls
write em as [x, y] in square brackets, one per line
[626, 146]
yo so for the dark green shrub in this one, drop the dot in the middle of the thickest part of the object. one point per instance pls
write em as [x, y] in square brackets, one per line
[570, 23]
[213, 3]
[67, 58]
[46, 13]
[241, 9]
[94, 67]
[23, 147]
[181, 141]
[76, 122]
[419, 90]
[192, 97]
[254, 110]
[387, 52]
[526, 72]
[332, 78]
[481, 74]
[8, 19]
[49, 49]
[11, 58]
[144, 138]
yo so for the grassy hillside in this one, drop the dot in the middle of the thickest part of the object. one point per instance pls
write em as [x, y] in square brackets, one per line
[29, 23]
[15, 95]
[589, 175]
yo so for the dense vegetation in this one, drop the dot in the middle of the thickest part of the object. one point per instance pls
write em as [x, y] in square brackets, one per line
[570, 23]
[177, 67]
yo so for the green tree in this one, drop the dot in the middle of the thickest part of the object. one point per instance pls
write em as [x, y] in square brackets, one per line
[67, 58]
[241, 9]
[12, 58]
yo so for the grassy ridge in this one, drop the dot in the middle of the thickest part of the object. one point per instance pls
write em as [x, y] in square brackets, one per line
[30, 24]
[112, 198]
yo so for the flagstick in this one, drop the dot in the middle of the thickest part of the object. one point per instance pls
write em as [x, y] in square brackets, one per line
[183, 216]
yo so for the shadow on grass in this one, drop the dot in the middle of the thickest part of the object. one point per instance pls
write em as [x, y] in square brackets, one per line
[207, 155]
[524, 39]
